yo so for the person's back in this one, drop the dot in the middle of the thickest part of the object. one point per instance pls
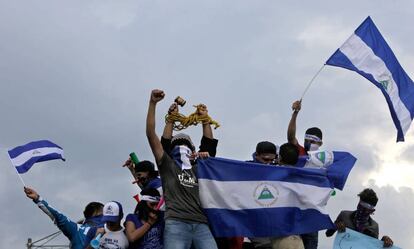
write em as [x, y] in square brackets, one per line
[288, 157]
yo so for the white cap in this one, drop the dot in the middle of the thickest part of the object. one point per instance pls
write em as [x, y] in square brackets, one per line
[112, 211]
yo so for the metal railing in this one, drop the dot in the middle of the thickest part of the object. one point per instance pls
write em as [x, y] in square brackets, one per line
[43, 242]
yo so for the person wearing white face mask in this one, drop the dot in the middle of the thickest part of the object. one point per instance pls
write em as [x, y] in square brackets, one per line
[313, 136]
[313, 140]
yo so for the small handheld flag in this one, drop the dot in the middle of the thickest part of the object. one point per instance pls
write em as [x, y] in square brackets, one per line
[23, 157]
[367, 53]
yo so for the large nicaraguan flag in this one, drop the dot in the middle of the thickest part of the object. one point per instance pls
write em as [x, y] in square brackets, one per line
[256, 200]
[23, 157]
[367, 53]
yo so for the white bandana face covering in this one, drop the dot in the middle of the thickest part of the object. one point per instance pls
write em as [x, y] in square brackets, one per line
[314, 147]
[150, 198]
[181, 155]
[313, 138]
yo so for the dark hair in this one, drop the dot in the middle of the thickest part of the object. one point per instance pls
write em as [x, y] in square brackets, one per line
[289, 154]
[314, 131]
[153, 174]
[91, 208]
[266, 147]
[182, 141]
[369, 196]
[144, 166]
[142, 208]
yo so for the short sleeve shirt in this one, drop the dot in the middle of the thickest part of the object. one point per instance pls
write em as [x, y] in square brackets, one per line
[152, 238]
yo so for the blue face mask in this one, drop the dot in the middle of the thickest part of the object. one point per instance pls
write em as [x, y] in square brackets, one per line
[307, 145]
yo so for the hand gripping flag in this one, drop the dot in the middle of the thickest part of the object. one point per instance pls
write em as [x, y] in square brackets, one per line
[367, 53]
[23, 157]
[256, 200]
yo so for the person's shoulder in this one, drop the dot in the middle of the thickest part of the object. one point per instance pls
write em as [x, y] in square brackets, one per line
[155, 182]
[164, 159]
[301, 149]
[345, 214]
[131, 217]
[373, 222]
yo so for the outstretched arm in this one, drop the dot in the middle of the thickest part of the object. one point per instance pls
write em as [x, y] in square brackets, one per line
[68, 227]
[153, 140]
[291, 132]
[130, 165]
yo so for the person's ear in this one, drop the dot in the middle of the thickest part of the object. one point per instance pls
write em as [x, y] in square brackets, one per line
[320, 143]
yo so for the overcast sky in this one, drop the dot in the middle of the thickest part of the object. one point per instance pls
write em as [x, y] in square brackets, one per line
[80, 73]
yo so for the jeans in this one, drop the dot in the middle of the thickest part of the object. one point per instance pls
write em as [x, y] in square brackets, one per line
[310, 240]
[180, 235]
[287, 242]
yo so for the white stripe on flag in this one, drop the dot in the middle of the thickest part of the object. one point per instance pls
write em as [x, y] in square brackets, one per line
[25, 156]
[363, 58]
[238, 195]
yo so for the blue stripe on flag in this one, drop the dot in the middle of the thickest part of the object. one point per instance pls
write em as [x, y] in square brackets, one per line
[30, 146]
[266, 222]
[339, 170]
[28, 164]
[235, 219]
[212, 169]
[338, 59]
[370, 34]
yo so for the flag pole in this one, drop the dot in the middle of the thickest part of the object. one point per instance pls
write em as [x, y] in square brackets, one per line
[311, 81]
[18, 174]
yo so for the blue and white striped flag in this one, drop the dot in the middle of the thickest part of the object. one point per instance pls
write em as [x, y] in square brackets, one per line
[256, 200]
[367, 53]
[23, 157]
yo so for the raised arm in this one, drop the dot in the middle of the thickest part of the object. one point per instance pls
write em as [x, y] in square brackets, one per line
[208, 143]
[168, 128]
[153, 140]
[207, 131]
[291, 132]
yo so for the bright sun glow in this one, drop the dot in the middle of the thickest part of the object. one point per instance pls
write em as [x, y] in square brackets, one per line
[394, 168]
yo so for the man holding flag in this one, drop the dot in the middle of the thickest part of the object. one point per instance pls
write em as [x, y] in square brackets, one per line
[75, 232]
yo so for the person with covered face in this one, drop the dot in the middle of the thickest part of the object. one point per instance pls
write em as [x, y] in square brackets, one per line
[313, 135]
[145, 174]
[360, 220]
[312, 142]
[74, 231]
[144, 228]
[185, 222]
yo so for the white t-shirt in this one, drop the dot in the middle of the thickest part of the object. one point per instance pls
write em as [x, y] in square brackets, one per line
[113, 240]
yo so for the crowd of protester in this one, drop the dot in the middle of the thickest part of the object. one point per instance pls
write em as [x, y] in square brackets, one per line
[181, 223]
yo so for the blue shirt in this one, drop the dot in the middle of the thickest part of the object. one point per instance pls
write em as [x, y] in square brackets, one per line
[152, 238]
[75, 232]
